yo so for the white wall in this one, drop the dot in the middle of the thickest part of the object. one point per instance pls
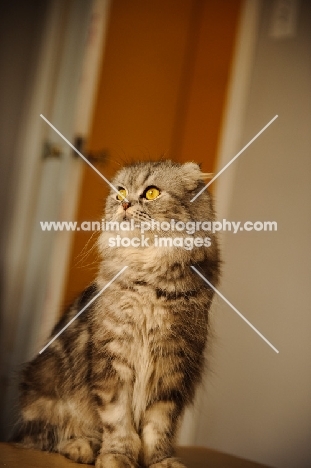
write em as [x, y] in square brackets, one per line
[22, 25]
[256, 403]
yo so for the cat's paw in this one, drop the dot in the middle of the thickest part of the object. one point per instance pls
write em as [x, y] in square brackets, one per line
[78, 450]
[168, 463]
[113, 460]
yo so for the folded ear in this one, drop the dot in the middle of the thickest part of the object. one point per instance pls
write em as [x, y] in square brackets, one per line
[192, 175]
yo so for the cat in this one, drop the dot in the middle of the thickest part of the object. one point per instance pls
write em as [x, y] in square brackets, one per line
[112, 388]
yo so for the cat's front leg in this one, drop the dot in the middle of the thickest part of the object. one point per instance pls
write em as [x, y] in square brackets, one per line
[159, 427]
[121, 443]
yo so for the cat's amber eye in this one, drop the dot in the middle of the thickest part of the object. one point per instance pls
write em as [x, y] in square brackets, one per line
[151, 193]
[121, 194]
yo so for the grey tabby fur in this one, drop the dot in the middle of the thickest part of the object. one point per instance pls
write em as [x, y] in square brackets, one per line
[113, 387]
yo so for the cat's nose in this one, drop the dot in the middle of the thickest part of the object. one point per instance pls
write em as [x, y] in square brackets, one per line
[125, 205]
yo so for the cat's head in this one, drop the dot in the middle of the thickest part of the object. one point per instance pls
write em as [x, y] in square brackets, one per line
[159, 191]
[158, 194]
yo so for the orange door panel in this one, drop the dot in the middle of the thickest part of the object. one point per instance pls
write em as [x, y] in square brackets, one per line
[161, 92]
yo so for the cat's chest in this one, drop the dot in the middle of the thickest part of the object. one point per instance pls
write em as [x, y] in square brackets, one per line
[151, 335]
[143, 332]
[144, 370]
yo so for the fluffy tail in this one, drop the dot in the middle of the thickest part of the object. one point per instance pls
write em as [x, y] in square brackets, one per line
[36, 434]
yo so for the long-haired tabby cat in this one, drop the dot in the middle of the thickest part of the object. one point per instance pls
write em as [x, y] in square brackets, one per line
[112, 388]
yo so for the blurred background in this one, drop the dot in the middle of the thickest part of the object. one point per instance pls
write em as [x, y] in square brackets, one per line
[188, 80]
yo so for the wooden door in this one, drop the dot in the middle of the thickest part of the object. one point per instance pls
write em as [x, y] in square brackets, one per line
[162, 92]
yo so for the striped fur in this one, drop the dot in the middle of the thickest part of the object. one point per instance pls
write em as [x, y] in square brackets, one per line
[113, 387]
